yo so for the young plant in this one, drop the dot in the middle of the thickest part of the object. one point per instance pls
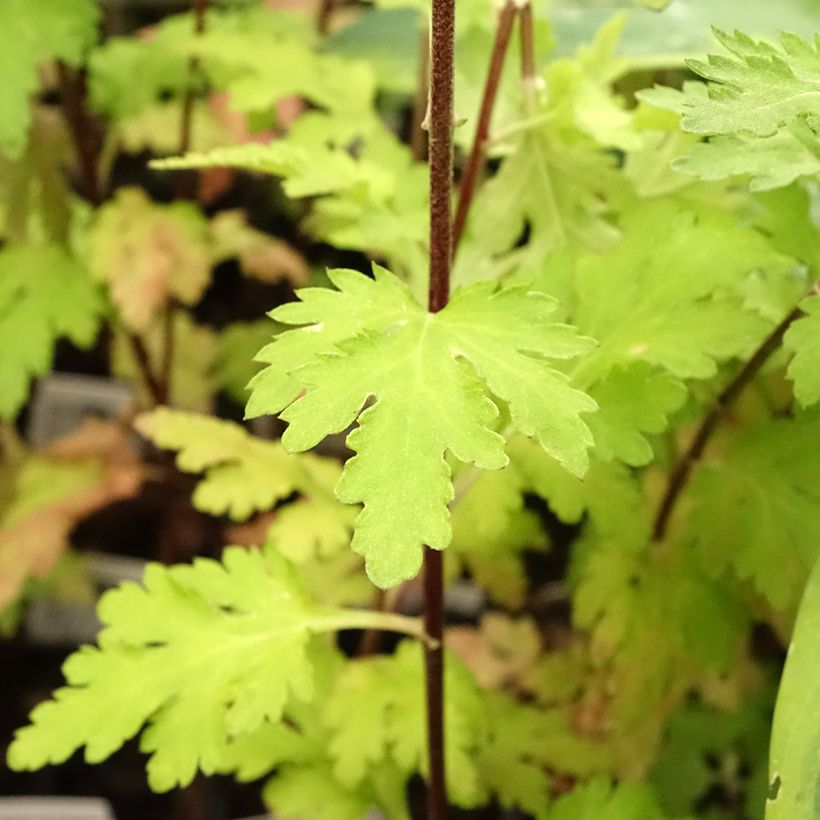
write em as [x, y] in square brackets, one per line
[606, 341]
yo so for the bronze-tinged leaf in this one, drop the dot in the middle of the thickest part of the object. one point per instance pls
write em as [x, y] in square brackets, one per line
[149, 254]
[55, 490]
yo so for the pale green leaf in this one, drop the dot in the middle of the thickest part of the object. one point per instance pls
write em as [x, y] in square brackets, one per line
[44, 295]
[239, 342]
[200, 653]
[600, 800]
[671, 304]
[803, 340]
[757, 90]
[756, 508]
[34, 33]
[243, 474]
[793, 756]
[377, 709]
[430, 375]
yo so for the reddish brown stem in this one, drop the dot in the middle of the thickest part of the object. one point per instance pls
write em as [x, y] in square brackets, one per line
[81, 129]
[475, 162]
[442, 33]
[168, 343]
[529, 74]
[143, 361]
[186, 180]
[682, 470]
[323, 15]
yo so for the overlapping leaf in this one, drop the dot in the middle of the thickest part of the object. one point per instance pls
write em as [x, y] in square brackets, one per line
[44, 295]
[243, 474]
[672, 304]
[757, 507]
[202, 653]
[389, 721]
[761, 105]
[32, 34]
[430, 375]
[50, 492]
[149, 254]
[803, 339]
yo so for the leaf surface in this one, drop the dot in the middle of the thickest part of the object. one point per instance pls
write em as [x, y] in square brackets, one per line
[431, 376]
[201, 653]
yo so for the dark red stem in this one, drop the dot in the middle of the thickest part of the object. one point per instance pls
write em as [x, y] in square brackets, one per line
[186, 124]
[682, 470]
[528, 71]
[81, 129]
[442, 33]
[475, 162]
[143, 361]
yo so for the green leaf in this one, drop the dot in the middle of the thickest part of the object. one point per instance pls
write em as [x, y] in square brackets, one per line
[193, 380]
[491, 527]
[795, 734]
[238, 344]
[599, 800]
[756, 508]
[759, 89]
[671, 304]
[34, 33]
[376, 710]
[635, 400]
[803, 340]
[44, 295]
[201, 653]
[761, 106]
[525, 745]
[375, 201]
[243, 474]
[162, 70]
[768, 162]
[430, 375]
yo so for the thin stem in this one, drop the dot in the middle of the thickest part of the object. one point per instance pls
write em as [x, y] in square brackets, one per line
[323, 15]
[475, 162]
[81, 129]
[434, 677]
[143, 361]
[529, 73]
[186, 180]
[168, 344]
[336, 619]
[442, 49]
[418, 133]
[682, 471]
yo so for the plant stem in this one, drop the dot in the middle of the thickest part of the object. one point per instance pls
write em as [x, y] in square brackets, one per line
[529, 73]
[418, 134]
[475, 162]
[442, 33]
[186, 180]
[168, 343]
[336, 619]
[323, 15]
[143, 361]
[81, 129]
[682, 470]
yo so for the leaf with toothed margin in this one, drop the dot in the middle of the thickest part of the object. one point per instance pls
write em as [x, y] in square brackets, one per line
[434, 380]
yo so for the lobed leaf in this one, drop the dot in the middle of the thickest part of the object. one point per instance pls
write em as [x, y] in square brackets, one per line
[200, 653]
[431, 377]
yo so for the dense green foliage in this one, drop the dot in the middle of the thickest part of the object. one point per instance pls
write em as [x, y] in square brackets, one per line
[638, 272]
